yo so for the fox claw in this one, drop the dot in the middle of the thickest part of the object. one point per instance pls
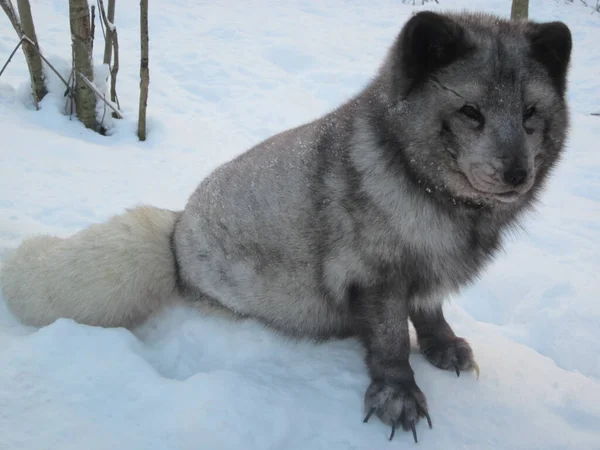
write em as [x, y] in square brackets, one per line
[369, 414]
[476, 368]
[396, 404]
[393, 432]
[414, 431]
[423, 412]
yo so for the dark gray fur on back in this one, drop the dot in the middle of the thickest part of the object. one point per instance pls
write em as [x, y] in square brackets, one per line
[374, 213]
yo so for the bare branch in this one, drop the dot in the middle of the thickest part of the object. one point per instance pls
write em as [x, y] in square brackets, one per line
[108, 22]
[10, 57]
[72, 90]
[111, 44]
[101, 96]
[144, 70]
[102, 14]
[69, 93]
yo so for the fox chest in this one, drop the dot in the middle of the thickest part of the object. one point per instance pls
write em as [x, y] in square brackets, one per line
[424, 265]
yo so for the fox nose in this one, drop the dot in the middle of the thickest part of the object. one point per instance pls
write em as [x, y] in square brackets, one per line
[516, 175]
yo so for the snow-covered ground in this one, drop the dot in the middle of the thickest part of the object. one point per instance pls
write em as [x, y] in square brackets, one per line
[225, 75]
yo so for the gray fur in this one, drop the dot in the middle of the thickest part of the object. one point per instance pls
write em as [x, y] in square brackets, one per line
[375, 212]
[354, 223]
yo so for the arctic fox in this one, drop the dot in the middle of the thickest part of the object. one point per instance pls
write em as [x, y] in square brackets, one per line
[350, 225]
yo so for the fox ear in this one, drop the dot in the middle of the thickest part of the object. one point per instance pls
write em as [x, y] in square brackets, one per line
[429, 42]
[551, 45]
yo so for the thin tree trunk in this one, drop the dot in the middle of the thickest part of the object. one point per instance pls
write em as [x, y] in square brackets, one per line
[34, 62]
[114, 71]
[109, 32]
[93, 29]
[111, 38]
[144, 71]
[519, 10]
[85, 99]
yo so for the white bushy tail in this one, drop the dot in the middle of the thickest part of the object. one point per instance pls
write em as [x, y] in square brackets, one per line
[111, 274]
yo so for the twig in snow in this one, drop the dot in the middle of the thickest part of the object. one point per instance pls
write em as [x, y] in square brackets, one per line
[10, 57]
[103, 113]
[72, 96]
[101, 96]
[68, 91]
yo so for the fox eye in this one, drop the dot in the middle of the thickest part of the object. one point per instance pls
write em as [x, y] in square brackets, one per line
[472, 113]
[529, 113]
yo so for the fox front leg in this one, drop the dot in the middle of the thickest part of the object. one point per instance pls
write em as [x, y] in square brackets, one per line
[393, 395]
[439, 344]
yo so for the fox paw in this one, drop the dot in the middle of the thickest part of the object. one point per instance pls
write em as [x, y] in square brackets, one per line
[452, 354]
[396, 404]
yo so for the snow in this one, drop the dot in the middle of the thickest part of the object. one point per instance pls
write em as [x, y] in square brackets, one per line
[224, 75]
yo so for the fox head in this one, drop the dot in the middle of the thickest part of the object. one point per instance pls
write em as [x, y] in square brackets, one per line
[478, 103]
